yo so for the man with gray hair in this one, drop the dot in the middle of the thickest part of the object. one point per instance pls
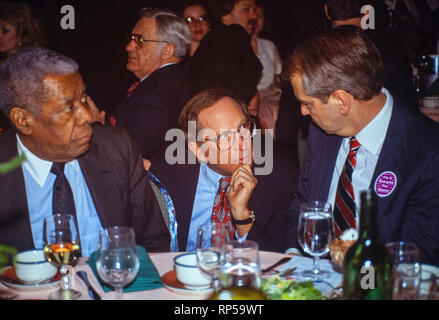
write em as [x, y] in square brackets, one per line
[94, 173]
[156, 45]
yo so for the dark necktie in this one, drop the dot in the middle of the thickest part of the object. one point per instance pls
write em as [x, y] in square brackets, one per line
[344, 207]
[221, 211]
[63, 202]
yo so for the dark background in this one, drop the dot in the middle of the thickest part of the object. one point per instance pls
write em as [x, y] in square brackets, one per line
[98, 40]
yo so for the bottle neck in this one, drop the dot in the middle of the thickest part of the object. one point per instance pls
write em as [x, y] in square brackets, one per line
[368, 218]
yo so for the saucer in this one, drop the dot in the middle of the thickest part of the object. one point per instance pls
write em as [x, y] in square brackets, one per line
[171, 282]
[9, 272]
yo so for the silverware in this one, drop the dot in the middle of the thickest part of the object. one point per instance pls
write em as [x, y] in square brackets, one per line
[287, 272]
[91, 291]
[277, 264]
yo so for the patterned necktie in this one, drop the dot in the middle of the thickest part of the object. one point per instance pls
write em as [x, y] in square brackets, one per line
[344, 208]
[221, 210]
[132, 88]
[63, 202]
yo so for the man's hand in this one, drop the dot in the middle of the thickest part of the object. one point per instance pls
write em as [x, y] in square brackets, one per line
[242, 185]
[98, 116]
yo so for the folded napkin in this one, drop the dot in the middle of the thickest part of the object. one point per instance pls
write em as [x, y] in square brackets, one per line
[148, 277]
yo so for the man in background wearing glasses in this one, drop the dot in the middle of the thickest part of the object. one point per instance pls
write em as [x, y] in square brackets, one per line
[156, 45]
[254, 208]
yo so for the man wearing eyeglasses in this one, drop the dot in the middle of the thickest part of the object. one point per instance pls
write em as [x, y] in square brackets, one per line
[156, 45]
[251, 208]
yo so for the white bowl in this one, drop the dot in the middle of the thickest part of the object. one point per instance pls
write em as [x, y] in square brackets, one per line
[31, 267]
[188, 272]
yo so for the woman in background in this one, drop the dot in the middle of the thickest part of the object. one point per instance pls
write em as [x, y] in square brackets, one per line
[269, 83]
[18, 29]
[195, 15]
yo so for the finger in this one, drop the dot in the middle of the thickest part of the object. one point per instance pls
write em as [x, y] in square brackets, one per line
[243, 181]
[246, 172]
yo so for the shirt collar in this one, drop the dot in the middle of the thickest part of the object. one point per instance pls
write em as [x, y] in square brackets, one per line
[38, 168]
[167, 64]
[372, 135]
[210, 176]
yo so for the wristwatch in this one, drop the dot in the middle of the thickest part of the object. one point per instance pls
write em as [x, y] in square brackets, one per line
[251, 219]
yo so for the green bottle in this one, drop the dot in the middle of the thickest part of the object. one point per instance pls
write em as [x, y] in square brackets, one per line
[367, 264]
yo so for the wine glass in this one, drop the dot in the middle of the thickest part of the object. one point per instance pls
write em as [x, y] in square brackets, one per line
[61, 248]
[118, 263]
[316, 230]
[210, 240]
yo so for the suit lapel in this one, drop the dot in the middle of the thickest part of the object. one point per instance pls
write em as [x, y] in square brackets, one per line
[97, 176]
[393, 155]
[326, 168]
[185, 197]
[15, 188]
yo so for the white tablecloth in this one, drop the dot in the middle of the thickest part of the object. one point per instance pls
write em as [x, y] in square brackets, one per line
[163, 263]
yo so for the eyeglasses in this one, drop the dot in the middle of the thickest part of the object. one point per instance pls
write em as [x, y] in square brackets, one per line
[200, 19]
[227, 139]
[139, 40]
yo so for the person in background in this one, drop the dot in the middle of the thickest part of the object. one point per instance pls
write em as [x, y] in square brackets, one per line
[19, 28]
[195, 15]
[399, 80]
[362, 137]
[225, 58]
[92, 172]
[156, 45]
[269, 83]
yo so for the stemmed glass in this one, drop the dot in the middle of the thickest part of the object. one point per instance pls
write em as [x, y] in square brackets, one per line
[316, 230]
[118, 263]
[210, 256]
[61, 248]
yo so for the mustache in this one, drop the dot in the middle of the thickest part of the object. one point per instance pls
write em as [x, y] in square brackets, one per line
[252, 22]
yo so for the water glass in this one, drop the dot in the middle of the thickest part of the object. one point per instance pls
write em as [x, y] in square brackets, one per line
[241, 267]
[118, 263]
[210, 256]
[316, 231]
[429, 287]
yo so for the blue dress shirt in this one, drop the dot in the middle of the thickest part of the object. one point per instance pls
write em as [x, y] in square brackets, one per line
[207, 188]
[39, 190]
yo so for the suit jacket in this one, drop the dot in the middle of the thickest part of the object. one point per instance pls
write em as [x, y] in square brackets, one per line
[117, 182]
[410, 150]
[154, 107]
[270, 200]
[225, 59]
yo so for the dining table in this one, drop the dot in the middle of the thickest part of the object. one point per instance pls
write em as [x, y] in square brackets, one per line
[163, 261]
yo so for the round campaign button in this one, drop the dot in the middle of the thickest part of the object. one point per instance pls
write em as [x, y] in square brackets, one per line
[385, 184]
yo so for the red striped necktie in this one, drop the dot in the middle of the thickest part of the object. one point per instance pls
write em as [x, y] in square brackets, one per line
[344, 207]
[221, 213]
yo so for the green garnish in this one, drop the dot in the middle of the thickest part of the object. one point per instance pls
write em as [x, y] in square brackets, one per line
[279, 289]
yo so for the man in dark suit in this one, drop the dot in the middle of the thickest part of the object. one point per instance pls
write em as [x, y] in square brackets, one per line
[225, 58]
[362, 138]
[102, 181]
[157, 43]
[222, 143]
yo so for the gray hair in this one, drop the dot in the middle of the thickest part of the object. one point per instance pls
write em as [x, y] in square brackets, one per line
[170, 28]
[22, 75]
